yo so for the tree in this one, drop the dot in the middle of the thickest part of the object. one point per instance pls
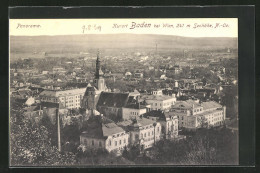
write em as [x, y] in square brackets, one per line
[205, 146]
[31, 146]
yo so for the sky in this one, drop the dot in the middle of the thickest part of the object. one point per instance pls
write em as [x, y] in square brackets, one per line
[188, 27]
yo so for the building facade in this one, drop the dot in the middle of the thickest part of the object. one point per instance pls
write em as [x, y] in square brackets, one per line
[67, 98]
[104, 133]
[158, 101]
[142, 131]
[193, 115]
[168, 121]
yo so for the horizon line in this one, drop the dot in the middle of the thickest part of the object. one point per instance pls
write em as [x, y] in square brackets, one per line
[121, 34]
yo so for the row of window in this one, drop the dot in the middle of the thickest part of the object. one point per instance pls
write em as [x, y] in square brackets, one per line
[134, 113]
[93, 143]
[149, 139]
[118, 135]
[117, 142]
[165, 104]
[198, 110]
[148, 134]
[70, 98]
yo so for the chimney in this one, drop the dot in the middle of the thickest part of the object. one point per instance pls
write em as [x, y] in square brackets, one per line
[58, 129]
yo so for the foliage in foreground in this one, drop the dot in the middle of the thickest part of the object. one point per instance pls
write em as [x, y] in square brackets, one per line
[30, 145]
[205, 147]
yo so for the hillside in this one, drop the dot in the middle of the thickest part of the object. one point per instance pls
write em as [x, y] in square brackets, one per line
[76, 43]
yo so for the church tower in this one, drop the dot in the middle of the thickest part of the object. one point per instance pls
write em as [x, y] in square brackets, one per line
[92, 93]
[99, 81]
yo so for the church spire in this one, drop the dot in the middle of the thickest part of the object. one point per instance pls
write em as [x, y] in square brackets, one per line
[97, 75]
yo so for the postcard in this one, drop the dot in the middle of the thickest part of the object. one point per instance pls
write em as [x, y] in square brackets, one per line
[123, 91]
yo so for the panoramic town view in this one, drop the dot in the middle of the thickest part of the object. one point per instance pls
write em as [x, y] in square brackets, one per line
[123, 99]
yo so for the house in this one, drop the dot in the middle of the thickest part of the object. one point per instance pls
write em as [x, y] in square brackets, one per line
[128, 75]
[70, 98]
[168, 121]
[159, 101]
[110, 104]
[138, 75]
[134, 108]
[192, 115]
[101, 132]
[143, 132]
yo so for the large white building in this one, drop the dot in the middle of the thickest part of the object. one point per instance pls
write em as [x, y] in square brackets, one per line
[168, 121]
[158, 101]
[67, 98]
[143, 132]
[104, 133]
[194, 115]
[135, 110]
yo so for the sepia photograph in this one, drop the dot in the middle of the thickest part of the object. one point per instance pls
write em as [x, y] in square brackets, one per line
[123, 92]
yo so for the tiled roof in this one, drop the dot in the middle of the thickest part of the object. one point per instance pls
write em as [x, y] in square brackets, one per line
[110, 129]
[90, 88]
[51, 93]
[210, 105]
[135, 106]
[101, 127]
[155, 113]
[186, 104]
[156, 97]
[110, 99]
[138, 122]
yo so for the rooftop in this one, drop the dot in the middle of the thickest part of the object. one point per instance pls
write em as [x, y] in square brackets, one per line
[210, 105]
[101, 127]
[111, 99]
[156, 97]
[188, 104]
[52, 93]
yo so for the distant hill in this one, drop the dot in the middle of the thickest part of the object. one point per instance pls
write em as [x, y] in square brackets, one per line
[76, 43]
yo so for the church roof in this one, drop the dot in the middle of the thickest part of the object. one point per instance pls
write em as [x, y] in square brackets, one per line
[110, 99]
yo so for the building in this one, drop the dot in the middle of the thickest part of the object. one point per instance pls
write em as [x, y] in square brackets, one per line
[104, 133]
[193, 115]
[110, 104]
[138, 75]
[68, 98]
[134, 108]
[92, 93]
[143, 132]
[58, 70]
[168, 121]
[158, 101]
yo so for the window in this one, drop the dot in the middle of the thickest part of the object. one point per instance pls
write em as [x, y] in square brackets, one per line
[144, 134]
[124, 141]
[85, 141]
[120, 142]
[100, 144]
[148, 133]
[136, 137]
[92, 143]
[158, 129]
[141, 135]
[110, 143]
[115, 143]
